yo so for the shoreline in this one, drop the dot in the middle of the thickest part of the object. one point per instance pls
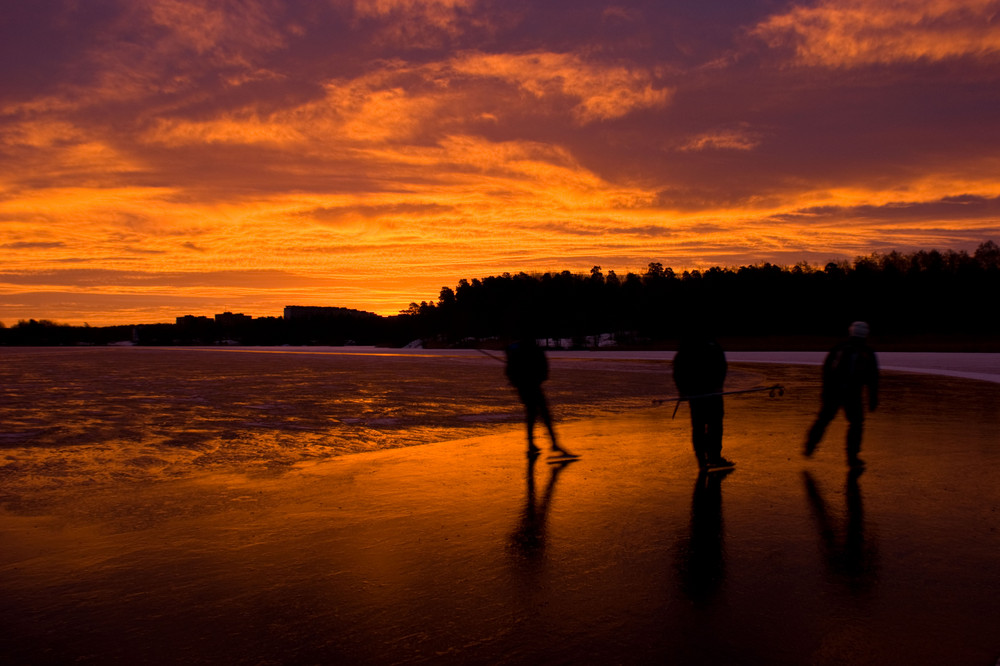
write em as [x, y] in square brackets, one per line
[984, 366]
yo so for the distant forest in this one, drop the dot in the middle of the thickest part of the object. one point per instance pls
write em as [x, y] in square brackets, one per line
[926, 299]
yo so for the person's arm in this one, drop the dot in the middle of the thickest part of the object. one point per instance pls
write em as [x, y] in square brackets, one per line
[723, 369]
[873, 382]
[680, 373]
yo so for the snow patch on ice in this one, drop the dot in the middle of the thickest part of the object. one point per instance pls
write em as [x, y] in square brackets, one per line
[984, 367]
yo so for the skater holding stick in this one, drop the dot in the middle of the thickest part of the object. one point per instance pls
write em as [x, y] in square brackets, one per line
[699, 372]
[527, 368]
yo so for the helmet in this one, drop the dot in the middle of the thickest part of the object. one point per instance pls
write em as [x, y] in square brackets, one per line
[858, 329]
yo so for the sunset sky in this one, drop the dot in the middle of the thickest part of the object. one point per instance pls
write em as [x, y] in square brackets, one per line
[168, 157]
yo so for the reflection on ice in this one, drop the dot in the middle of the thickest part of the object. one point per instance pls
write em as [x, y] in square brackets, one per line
[851, 554]
[527, 542]
[200, 410]
[702, 566]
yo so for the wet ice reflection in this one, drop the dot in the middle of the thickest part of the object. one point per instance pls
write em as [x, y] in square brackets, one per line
[87, 415]
[850, 551]
[702, 566]
[527, 541]
[465, 552]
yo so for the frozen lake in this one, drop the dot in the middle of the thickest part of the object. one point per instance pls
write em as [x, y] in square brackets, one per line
[185, 506]
[95, 415]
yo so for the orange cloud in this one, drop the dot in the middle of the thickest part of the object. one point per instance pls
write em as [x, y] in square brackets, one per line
[440, 12]
[243, 129]
[602, 92]
[737, 138]
[370, 109]
[419, 23]
[386, 106]
[368, 113]
[226, 31]
[853, 33]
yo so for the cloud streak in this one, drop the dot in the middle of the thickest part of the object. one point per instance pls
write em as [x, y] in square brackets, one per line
[598, 92]
[855, 33]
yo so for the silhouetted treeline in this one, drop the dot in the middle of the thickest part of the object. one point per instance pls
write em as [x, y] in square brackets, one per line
[901, 295]
[364, 328]
[925, 297]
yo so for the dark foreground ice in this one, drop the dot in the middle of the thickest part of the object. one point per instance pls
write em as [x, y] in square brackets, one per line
[460, 551]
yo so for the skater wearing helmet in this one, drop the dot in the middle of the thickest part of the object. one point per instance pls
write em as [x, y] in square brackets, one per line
[848, 369]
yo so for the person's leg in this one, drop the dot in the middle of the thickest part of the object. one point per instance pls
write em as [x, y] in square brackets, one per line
[699, 431]
[856, 420]
[546, 416]
[826, 413]
[530, 416]
[715, 411]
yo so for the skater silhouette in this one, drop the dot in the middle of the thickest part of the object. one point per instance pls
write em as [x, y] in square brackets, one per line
[849, 368]
[527, 368]
[699, 371]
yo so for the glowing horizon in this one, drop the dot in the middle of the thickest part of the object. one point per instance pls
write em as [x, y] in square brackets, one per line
[172, 157]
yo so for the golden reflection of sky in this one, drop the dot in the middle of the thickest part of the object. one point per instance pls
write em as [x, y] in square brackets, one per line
[184, 157]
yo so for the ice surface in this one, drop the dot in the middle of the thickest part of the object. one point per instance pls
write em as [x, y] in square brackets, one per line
[143, 520]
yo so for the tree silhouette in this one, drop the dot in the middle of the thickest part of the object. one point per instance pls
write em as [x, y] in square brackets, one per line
[922, 296]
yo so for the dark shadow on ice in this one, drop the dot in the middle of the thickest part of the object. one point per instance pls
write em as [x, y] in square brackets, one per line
[527, 542]
[850, 558]
[702, 566]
